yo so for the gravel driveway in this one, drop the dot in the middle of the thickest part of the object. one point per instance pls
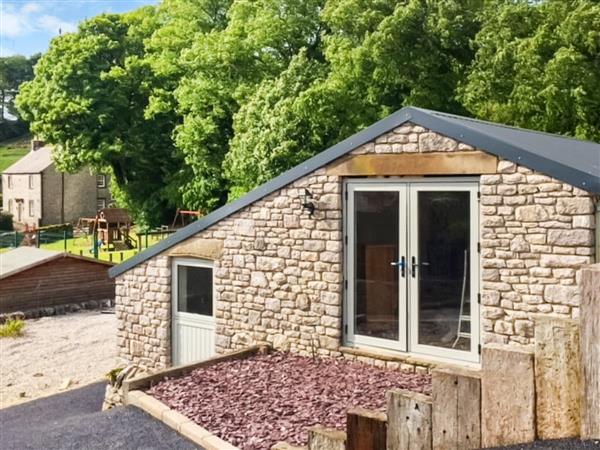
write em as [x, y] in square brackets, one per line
[73, 421]
[56, 353]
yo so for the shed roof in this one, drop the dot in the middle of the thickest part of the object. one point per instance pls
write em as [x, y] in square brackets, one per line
[570, 160]
[25, 258]
[115, 215]
[33, 162]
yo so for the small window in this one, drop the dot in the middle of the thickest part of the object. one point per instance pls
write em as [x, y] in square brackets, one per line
[10, 205]
[31, 208]
[195, 290]
[101, 203]
[9, 181]
[30, 181]
[100, 181]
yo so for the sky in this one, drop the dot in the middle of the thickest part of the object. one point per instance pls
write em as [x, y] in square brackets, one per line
[27, 26]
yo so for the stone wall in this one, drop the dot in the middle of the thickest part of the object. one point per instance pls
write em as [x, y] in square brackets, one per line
[536, 233]
[279, 274]
[143, 311]
[20, 189]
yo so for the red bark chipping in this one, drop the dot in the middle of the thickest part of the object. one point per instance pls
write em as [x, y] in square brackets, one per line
[253, 403]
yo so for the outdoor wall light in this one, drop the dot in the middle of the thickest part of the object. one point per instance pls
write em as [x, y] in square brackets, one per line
[307, 202]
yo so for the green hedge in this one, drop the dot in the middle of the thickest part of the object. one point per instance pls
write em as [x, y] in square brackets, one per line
[6, 221]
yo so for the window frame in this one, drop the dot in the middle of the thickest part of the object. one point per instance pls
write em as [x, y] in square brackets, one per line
[31, 208]
[9, 183]
[31, 182]
[101, 181]
[191, 262]
[98, 200]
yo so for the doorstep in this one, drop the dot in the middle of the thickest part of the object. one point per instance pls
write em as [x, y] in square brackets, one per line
[178, 422]
[406, 361]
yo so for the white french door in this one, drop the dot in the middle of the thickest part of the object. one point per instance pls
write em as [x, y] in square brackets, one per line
[412, 267]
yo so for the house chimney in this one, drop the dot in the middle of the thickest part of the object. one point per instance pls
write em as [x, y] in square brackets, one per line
[36, 144]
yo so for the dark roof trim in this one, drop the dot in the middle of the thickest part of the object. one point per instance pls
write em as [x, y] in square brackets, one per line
[445, 124]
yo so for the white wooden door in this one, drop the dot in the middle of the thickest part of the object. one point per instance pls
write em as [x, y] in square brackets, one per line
[193, 328]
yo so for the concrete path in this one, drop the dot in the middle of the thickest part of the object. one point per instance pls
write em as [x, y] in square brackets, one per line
[74, 421]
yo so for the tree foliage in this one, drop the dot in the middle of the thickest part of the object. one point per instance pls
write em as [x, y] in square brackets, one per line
[194, 102]
[538, 66]
[89, 97]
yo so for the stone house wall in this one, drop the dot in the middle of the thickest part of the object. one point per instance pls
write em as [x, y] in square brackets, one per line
[19, 189]
[279, 276]
[80, 198]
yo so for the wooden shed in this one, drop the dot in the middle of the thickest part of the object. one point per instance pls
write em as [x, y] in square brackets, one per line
[33, 278]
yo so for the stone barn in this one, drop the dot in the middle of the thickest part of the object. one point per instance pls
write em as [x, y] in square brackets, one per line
[412, 243]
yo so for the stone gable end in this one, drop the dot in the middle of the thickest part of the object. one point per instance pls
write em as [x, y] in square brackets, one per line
[278, 279]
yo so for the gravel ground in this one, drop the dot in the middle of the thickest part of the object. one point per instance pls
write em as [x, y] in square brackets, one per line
[73, 421]
[56, 353]
[560, 444]
[254, 403]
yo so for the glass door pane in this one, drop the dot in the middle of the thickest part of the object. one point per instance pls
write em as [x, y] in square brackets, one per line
[376, 251]
[441, 268]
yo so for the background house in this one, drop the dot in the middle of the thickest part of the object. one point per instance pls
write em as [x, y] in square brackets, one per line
[37, 194]
[33, 278]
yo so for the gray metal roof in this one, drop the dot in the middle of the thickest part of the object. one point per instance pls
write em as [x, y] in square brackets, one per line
[33, 162]
[24, 258]
[570, 160]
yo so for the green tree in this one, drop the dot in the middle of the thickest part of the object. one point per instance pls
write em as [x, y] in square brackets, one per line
[14, 70]
[222, 69]
[377, 57]
[89, 97]
[538, 66]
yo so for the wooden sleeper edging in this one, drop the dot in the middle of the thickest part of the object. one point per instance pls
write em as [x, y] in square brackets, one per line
[148, 380]
[178, 422]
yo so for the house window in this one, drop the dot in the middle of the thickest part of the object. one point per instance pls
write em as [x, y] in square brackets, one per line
[100, 181]
[9, 181]
[101, 203]
[31, 208]
[30, 181]
[194, 290]
[10, 205]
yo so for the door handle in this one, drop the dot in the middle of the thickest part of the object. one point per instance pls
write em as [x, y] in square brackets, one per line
[415, 265]
[401, 264]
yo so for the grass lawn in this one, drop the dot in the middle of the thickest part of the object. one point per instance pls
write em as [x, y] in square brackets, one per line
[83, 246]
[12, 150]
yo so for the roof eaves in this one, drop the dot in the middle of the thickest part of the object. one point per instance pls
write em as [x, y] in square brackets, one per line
[505, 149]
[29, 266]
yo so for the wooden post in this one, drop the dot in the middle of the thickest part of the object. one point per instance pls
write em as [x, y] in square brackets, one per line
[557, 377]
[321, 438]
[590, 351]
[366, 430]
[456, 409]
[507, 396]
[409, 421]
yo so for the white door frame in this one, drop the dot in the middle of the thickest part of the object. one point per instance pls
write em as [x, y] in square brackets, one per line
[413, 285]
[401, 343]
[195, 320]
[408, 297]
